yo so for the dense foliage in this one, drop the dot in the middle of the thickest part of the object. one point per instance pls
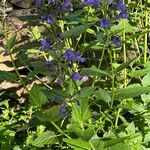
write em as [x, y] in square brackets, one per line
[95, 59]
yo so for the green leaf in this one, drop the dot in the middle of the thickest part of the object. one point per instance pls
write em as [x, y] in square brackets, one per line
[74, 32]
[46, 138]
[51, 114]
[36, 96]
[8, 76]
[10, 43]
[97, 143]
[103, 95]
[146, 80]
[139, 73]
[130, 92]
[86, 92]
[123, 66]
[93, 71]
[119, 146]
[36, 32]
[81, 113]
[78, 143]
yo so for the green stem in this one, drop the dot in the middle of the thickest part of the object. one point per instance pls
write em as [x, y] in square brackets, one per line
[113, 78]
[117, 117]
[59, 130]
[145, 36]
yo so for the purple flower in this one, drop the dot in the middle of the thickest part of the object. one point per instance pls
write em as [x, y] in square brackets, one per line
[38, 3]
[120, 6]
[110, 1]
[69, 55]
[93, 3]
[76, 76]
[122, 14]
[104, 23]
[117, 41]
[67, 6]
[45, 44]
[49, 1]
[63, 112]
[48, 18]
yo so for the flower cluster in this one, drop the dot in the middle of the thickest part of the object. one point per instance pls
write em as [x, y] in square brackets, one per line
[48, 18]
[69, 55]
[93, 3]
[44, 44]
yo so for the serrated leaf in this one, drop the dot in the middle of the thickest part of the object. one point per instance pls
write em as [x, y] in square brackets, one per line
[36, 96]
[139, 73]
[74, 32]
[51, 114]
[103, 95]
[8, 76]
[86, 92]
[93, 71]
[81, 113]
[130, 92]
[46, 138]
[78, 143]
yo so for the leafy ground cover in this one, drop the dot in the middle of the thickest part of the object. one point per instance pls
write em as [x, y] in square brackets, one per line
[94, 57]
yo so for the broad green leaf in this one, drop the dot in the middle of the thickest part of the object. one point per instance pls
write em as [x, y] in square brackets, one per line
[103, 95]
[119, 146]
[51, 114]
[130, 128]
[78, 143]
[86, 92]
[147, 137]
[146, 80]
[130, 92]
[81, 113]
[10, 43]
[46, 138]
[123, 25]
[139, 73]
[74, 32]
[133, 106]
[8, 76]
[97, 143]
[93, 71]
[36, 96]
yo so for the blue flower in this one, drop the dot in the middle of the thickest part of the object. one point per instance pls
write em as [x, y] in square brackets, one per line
[122, 14]
[104, 23]
[48, 18]
[76, 76]
[69, 55]
[45, 44]
[93, 3]
[117, 41]
[38, 3]
[67, 6]
[63, 112]
[120, 6]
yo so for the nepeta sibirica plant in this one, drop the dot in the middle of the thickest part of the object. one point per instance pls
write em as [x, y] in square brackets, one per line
[90, 97]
